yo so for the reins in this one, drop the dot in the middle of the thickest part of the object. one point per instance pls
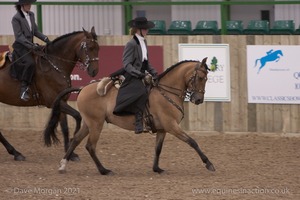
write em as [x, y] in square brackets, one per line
[162, 88]
[19, 58]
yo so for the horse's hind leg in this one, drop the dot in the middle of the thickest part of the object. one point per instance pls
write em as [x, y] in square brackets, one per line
[82, 133]
[11, 150]
[160, 136]
[94, 135]
[184, 137]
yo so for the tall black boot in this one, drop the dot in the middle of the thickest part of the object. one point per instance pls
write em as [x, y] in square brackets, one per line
[24, 91]
[139, 128]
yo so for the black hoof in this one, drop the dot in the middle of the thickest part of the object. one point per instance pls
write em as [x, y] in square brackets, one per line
[74, 157]
[158, 170]
[210, 166]
[19, 157]
[106, 172]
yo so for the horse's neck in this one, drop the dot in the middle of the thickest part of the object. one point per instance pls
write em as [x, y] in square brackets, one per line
[176, 78]
[64, 58]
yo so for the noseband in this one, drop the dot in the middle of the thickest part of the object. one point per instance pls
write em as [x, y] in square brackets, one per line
[83, 46]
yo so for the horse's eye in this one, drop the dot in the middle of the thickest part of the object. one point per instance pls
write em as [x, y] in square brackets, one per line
[202, 78]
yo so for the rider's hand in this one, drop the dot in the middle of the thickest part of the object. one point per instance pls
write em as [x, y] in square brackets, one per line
[36, 47]
[154, 79]
[142, 75]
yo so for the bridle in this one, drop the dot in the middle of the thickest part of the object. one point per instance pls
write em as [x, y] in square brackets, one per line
[88, 60]
[192, 81]
[83, 65]
[190, 89]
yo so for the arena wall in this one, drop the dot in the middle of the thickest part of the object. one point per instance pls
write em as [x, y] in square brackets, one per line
[234, 116]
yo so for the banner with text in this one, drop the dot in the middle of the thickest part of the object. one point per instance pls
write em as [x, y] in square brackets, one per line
[273, 74]
[110, 60]
[218, 82]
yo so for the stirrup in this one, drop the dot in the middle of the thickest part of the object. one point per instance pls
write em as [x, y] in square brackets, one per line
[24, 94]
[150, 123]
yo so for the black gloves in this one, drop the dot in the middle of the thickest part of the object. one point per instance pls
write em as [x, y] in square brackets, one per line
[36, 47]
[142, 75]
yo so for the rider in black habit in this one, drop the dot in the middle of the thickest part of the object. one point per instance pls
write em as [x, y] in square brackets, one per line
[25, 28]
[132, 95]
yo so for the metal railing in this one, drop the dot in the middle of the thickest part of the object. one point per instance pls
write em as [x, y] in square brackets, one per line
[127, 5]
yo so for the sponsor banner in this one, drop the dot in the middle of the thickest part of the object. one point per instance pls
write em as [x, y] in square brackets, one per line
[110, 60]
[273, 74]
[218, 82]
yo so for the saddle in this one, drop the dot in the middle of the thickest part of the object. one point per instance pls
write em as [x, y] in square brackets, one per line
[7, 55]
[106, 83]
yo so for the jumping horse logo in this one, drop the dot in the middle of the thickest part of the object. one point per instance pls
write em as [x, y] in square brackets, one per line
[271, 56]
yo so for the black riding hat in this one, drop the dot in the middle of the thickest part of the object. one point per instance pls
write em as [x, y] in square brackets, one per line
[22, 2]
[141, 23]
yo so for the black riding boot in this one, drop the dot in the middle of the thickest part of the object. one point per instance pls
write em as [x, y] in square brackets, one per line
[139, 128]
[24, 92]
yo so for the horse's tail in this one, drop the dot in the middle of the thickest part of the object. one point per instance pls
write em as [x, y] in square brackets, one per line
[256, 62]
[49, 132]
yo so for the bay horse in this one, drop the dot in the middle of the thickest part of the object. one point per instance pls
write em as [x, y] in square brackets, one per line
[53, 70]
[165, 104]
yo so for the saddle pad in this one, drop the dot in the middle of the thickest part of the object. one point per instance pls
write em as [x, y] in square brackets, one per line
[3, 58]
[104, 85]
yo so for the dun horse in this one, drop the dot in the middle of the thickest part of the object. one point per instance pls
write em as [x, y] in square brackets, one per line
[52, 76]
[165, 105]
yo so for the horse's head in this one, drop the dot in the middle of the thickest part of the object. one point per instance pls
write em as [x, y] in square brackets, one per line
[196, 83]
[88, 53]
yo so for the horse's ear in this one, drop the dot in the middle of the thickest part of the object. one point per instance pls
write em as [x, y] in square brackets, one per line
[94, 33]
[85, 33]
[204, 60]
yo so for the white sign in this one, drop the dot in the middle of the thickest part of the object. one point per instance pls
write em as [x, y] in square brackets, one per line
[218, 82]
[273, 74]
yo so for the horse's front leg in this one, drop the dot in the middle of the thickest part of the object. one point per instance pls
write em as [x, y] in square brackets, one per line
[160, 136]
[11, 150]
[179, 133]
[67, 109]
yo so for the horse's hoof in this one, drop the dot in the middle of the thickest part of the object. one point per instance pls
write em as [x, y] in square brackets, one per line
[210, 167]
[158, 170]
[62, 171]
[74, 157]
[19, 157]
[106, 172]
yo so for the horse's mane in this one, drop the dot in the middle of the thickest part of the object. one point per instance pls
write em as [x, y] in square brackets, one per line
[65, 36]
[174, 66]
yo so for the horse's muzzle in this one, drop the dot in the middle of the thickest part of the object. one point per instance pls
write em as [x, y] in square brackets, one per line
[197, 98]
[93, 72]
